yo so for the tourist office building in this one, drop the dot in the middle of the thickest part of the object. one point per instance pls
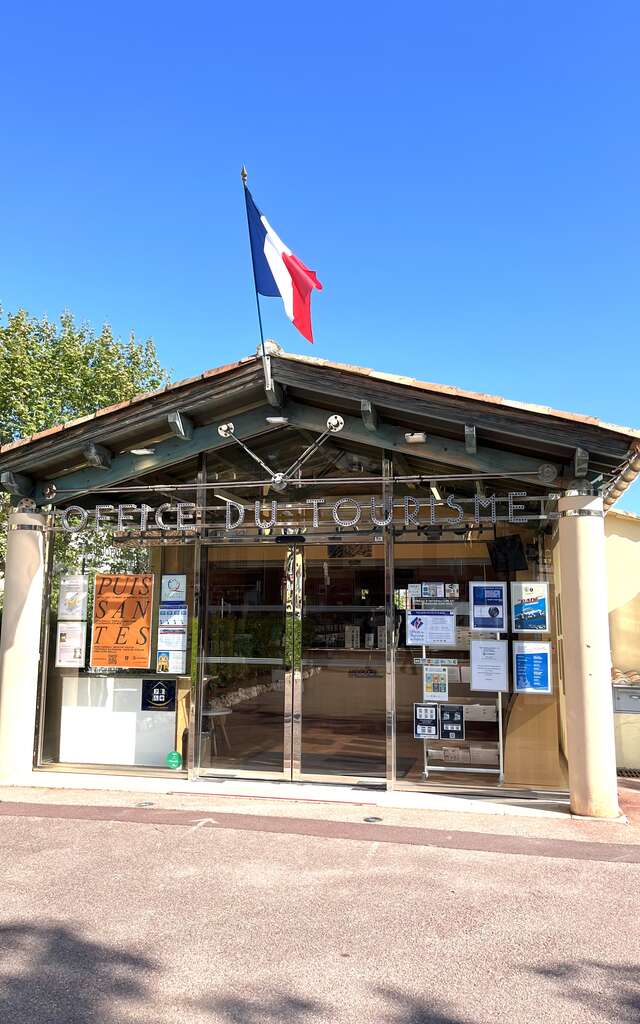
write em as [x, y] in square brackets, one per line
[291, 569]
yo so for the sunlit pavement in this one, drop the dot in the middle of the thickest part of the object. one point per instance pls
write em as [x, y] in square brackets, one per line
[226, 910]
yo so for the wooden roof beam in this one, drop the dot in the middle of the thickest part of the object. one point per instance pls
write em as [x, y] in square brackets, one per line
[166, 453]
[436, 449]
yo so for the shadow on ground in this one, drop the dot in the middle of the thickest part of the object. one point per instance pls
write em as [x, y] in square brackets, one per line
[50, 973]
[612, 990]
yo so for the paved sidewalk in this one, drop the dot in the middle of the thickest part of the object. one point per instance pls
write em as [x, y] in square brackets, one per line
[351, 806]
[206, 910]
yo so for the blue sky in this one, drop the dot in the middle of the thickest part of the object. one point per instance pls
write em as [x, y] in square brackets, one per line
[463, 177]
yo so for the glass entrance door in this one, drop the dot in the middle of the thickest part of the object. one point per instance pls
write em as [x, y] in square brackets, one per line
[293, 662]
[339, 699]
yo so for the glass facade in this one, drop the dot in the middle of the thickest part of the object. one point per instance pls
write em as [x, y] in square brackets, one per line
[336, 635]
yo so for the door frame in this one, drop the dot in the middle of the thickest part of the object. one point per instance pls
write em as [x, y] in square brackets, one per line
[293, 598]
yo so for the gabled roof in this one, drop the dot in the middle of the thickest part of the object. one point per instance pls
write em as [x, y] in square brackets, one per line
[428, 387]
[508, 432]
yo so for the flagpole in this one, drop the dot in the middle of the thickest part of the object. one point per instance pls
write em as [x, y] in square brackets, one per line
[243, 175]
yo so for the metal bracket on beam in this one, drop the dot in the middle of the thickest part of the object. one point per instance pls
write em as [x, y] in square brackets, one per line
[180, 425]
[580, 462]
[273, 390]
[97, 455]
[17, 484]
[369, 415]
[470, 440]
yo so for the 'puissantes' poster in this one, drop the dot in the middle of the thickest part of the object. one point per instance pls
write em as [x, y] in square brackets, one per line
[122, 609]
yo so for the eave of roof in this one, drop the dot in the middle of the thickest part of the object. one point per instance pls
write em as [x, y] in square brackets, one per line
[425, 386]
[136, 400]
[476, 396]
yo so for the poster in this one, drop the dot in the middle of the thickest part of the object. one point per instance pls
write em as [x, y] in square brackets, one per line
[173, 615]
[172, 662]
[172, 638]
[158, 695]
[452, 721]
[452, 591]
[487, 603]
[433, 591]
[71, 638]
[530, 607]
[122, 609]
[414, 590]
[173, 588]
[172, 649]
[425, 722]
[435, 684]
[489, 669]
[531, 667]
[432, 626]
[72, 599]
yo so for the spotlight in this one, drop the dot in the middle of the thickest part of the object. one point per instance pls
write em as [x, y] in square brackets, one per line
[226, 429]
[415, 437]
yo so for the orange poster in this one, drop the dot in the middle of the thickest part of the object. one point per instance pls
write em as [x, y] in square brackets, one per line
[122, 608]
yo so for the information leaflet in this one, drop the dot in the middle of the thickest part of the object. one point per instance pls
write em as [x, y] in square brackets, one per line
[489, 666]
[425, 722]
[435, 684]
[487, 606]
[452, 721]
[173, 588]
[531, 667]
[71, 638]
[72, 599]
[434, 627]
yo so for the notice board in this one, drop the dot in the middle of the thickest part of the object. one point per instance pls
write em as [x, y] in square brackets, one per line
[122, 609]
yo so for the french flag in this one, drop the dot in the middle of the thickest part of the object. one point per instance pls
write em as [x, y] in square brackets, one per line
[278, 272]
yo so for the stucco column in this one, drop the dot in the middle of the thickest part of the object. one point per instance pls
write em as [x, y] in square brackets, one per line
[20, 644]
[587, 657]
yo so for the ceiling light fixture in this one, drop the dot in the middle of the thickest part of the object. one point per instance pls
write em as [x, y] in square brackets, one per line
[415, 437]
[142, 451]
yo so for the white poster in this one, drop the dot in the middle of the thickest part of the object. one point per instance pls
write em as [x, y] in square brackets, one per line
[431, 627]
[433, 591]
[489, 666]
[172, 638]
[72, 599]
[530, 607]
[71, 638]
[173, 588]
[487, 606]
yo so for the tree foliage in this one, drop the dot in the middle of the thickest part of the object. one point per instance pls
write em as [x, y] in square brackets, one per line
[51, 373]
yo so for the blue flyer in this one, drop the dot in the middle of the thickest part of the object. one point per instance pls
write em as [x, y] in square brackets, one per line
[487, 603]
[531, 667]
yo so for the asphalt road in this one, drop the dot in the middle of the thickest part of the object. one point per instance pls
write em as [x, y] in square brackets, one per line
[113, 921]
